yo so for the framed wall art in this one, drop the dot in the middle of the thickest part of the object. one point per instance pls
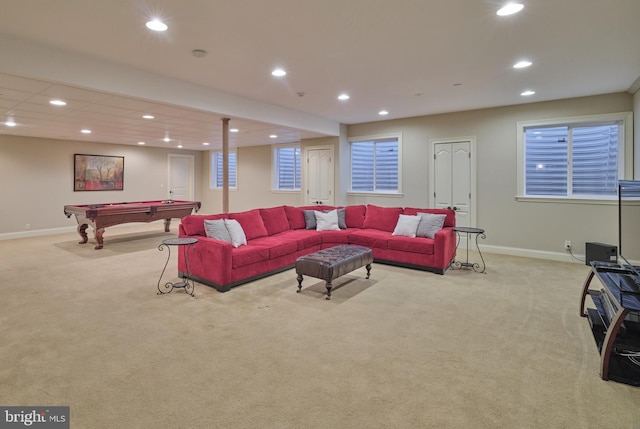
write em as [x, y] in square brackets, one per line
[98, 173]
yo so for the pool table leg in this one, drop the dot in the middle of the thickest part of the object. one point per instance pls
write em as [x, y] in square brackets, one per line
[167, 225]
[82, 230]
[99, 238]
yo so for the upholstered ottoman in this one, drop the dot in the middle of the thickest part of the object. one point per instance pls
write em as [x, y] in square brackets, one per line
[329, 264]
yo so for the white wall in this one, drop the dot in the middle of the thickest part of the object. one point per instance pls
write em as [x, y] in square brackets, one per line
[37, 180]
[37, 177]
[254, 179]
[538, 227]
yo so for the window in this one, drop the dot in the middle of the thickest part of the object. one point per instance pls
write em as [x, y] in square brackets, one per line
[375, 165]
[579, 158]
[286, 168]
[217, 166]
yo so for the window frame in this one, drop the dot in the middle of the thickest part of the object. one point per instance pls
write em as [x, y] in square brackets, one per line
[214, 171]
[275, 168]
[625, 152]
[356, 139]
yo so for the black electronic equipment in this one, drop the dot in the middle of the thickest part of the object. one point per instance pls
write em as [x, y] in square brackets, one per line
[600, 252]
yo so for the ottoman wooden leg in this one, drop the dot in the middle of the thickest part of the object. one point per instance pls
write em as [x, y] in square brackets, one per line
[368, 270]
[329, 286]
[299, 282]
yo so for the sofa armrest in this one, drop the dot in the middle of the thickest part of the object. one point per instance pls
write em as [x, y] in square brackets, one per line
[210, 260]
[444, 247]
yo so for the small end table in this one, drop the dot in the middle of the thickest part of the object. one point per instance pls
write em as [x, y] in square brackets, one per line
[169, 286]
[479, 232]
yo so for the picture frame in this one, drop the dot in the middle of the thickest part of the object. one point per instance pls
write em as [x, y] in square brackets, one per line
[98, 172]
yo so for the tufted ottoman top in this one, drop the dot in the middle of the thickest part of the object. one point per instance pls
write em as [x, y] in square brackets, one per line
[329, 264]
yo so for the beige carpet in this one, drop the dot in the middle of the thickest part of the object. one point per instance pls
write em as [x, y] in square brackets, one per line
[405, 349]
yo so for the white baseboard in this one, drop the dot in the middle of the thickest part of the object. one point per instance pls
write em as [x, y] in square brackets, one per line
[529, 253]
[37, 232]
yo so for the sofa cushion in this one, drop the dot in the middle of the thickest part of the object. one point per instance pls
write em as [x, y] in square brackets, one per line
[278, 245]
[295, 217]
[304, 238]
[327, 221]
[354, 216]
[217, 230]
[275, 220]
[413, 245]
[429, 224]
[382, 218]
[335, 237]
[450, 220]
[251, 223]
[247, 255]
[236, 233]
[370, 238]
[194, 224]
[310, 221]
[407, 226]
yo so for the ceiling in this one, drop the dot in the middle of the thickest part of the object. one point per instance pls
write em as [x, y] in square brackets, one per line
[408, 57]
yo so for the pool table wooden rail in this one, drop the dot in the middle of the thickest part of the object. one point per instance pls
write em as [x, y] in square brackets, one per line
[101, 216]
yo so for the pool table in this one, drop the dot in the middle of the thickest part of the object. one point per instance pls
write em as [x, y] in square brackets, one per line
[100, 216]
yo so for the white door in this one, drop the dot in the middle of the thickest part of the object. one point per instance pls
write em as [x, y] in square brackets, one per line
[319, 177]
[181, 177]
[452, 179]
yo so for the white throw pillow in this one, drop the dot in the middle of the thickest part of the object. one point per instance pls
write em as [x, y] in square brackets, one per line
[327, 221]
[406, 226]
[217, 229]
[238, 238]
[430, 223]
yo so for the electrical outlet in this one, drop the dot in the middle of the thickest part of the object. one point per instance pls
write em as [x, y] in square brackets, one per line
[567, 245]
[27, 226]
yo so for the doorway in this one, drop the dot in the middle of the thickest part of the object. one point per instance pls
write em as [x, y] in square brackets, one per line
[319, 176]
[181, 177]
[453, 183]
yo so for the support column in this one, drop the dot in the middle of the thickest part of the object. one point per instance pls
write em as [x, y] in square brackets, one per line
[225, 165]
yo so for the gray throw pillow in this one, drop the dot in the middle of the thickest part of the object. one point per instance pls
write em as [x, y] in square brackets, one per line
[309, 219]
[217, 229]
[341, 219]
[430, 224]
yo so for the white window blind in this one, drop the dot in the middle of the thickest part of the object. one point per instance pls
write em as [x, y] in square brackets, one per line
[374, 165]
[217, 169]
[287, 168]
[572, 161]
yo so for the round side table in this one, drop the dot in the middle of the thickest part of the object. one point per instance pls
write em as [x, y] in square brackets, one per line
[184, 283]
[478, 232]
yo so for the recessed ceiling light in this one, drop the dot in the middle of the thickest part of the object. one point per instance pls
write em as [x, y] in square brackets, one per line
[522, 64]
[10, 123]
[205, 143]
[383, 112]
[343, 97]
[273, 136]
[179, 146]
[279, 72]
[141, 143]
[199, 53]
[85, 131]
[148, 116]
[510, 9]
[156, 25]
[166, 139]
[527, 93]
[58, 103]
[234, 130]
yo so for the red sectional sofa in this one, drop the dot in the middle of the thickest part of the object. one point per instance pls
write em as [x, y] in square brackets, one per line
[277, 236]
